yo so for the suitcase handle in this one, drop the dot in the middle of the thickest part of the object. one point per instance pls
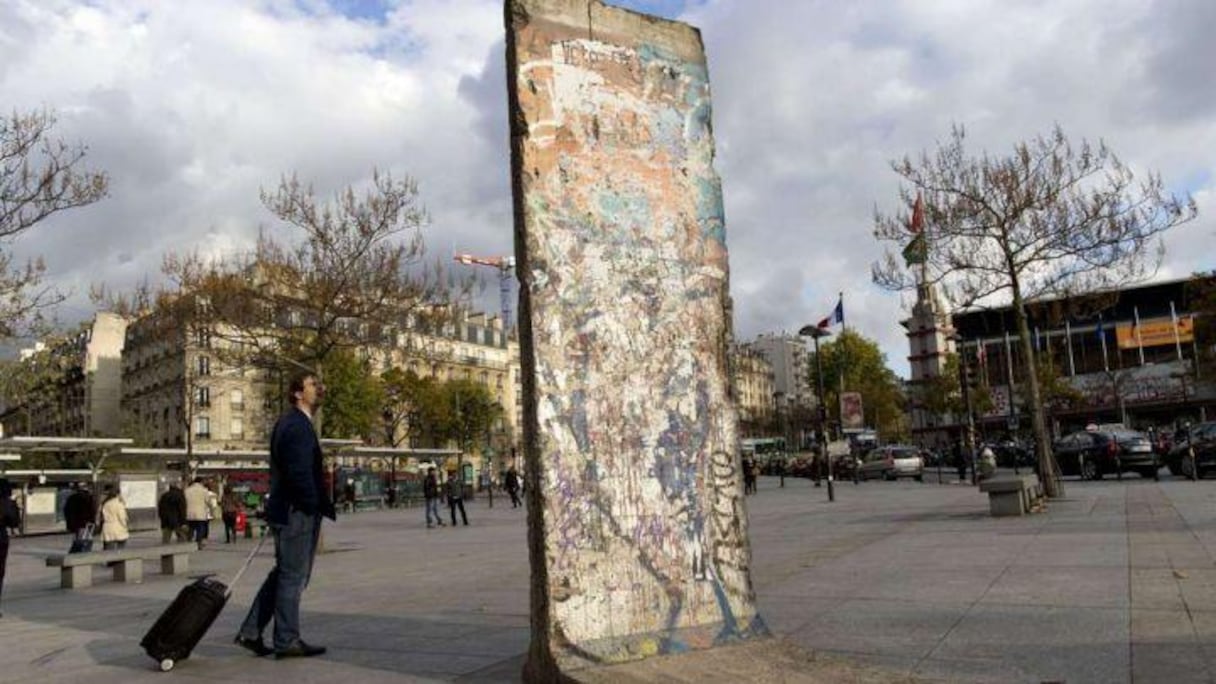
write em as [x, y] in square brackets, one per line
[244, 566]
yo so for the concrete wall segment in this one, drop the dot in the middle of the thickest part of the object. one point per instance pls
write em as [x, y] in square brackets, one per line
[638, 542]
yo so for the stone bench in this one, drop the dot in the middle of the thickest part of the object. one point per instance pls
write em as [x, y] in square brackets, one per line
[1012, 494]
[76, 569]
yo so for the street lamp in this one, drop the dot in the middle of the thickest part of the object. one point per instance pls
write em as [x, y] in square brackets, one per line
[815, 332]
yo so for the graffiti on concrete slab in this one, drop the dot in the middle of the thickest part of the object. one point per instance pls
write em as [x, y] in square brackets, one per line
[624, 271]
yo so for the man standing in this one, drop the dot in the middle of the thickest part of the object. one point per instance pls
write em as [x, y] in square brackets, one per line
[172, 512]
[294, 508]
[455, 492]
[79, 511]
[430, 492]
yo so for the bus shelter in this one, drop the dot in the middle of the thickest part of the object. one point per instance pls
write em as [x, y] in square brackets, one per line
[392, 475]
[41, 490]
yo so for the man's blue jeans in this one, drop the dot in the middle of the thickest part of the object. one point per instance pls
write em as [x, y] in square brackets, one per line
[432, 508]
[295, 544]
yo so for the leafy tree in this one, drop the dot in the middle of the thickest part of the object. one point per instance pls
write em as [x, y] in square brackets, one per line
[415, 407]
[1050, 219]
[33, 387]
[354, 397]
[943, 394]
[473, 413]
[39, 176]
[857, 363]
[352, 281]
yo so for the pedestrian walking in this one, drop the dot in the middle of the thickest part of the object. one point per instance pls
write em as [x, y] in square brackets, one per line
[455, 492]
[749, 475]
[230, 507]
[511, 481]
[198, 510]
[297, 502]
[79, 512]
[430, 495]
[10, 519]
[114, 523]
[171, 509]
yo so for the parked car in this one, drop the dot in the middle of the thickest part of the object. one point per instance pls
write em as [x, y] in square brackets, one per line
[1106, 451]
[1011, 453]
[1202, 438]
[891, 462]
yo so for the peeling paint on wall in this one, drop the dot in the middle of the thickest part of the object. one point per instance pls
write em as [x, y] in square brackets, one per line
[639, 543]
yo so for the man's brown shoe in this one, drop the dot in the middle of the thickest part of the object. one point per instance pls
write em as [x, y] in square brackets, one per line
[299, 650]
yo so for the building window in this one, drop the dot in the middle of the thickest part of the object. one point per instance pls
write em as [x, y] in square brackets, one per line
[202, 397]
[238, 400]
[237, 428]
[202, 338]
[202, 427]
[204, 365]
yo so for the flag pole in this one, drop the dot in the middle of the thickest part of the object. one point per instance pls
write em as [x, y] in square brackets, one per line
[1139, 341]
[1177, 336]
[843, 361]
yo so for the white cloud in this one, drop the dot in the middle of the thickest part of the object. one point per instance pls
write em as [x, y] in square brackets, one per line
[192, 107]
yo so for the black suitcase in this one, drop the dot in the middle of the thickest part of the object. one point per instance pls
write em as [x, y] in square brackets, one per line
[182, 626]
[179, 629]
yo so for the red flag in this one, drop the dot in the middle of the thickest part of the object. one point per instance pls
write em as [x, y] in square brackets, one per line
[918, 217]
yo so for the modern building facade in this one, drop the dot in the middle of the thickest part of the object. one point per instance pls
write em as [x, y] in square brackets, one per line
[1128, 356]
[789, 358]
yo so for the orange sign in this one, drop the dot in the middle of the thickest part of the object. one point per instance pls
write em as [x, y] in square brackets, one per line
[1155, 332]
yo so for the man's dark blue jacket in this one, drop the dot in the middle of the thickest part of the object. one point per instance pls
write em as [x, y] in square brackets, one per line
[297, 481]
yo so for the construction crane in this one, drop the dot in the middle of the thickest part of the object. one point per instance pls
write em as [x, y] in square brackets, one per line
[506, 268]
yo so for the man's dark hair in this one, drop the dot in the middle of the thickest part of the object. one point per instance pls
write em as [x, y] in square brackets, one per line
[297, 385]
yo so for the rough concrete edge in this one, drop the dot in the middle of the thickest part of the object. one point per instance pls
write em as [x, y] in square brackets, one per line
[767, 660]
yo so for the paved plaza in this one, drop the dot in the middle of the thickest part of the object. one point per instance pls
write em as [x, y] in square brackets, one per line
[892, 582]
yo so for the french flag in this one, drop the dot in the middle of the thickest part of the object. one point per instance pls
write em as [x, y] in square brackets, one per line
[836, 317]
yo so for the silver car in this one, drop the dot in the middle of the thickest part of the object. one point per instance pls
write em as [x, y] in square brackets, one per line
[893, 461]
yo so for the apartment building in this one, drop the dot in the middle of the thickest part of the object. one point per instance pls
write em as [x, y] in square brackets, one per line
[754, 388]
[790, 362]
[178, 389]
[71, 386]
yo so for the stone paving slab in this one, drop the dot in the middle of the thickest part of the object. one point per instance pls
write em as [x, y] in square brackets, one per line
[893, 582]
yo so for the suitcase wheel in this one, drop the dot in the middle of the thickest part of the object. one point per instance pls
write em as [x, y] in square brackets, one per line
[166, 664]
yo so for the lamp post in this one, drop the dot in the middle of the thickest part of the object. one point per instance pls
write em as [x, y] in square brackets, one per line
[965, 387]
[815, 332]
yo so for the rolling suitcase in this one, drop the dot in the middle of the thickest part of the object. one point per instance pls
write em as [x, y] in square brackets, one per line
[83, 541]
[179, 629]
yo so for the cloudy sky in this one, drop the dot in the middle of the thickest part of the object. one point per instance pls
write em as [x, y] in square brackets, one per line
[191, 107]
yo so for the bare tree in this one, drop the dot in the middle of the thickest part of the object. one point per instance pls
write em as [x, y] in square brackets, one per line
[354, 280]
[1050, 219]
[39, 176]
